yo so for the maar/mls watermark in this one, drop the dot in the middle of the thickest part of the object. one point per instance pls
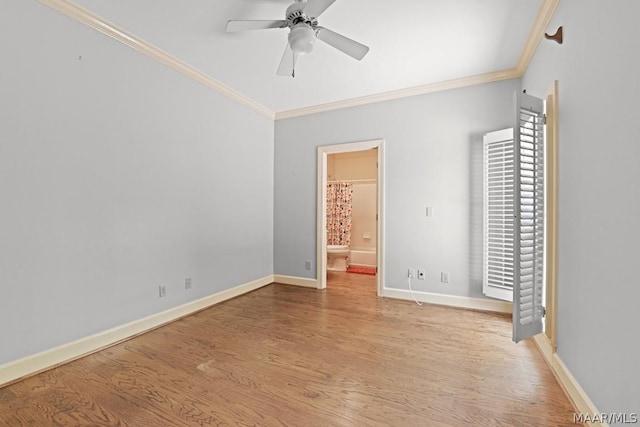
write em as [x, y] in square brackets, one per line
[607, 417]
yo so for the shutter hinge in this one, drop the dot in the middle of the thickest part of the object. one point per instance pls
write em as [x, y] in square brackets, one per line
[544, 311]
[544, 119]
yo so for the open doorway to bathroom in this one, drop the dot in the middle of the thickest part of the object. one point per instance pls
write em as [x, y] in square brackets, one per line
[350, 237]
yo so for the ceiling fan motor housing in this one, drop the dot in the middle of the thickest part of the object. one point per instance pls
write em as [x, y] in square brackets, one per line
[295, 15]
[301, 18]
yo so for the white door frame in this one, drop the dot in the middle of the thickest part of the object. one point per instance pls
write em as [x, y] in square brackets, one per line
[321, 241]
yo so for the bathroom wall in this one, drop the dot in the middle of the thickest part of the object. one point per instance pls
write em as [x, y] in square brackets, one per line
[354, 165]
[359, 165]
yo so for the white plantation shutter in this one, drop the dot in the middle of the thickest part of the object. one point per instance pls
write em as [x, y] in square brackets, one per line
[529, 218]
[499, 211]
[514, 215]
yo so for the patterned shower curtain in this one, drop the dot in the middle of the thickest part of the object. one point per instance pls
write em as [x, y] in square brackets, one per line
[339, 198]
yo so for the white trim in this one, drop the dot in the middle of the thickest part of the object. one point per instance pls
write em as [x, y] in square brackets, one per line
[295, 281]
[30, 365]
[543, 18]
[547, 9]
[98, 23]
[450, 300]
[578, 397]
[110, 29]
[401, 93]
[321, 213]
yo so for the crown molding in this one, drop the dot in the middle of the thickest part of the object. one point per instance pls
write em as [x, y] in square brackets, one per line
[402, 93]
[541, 23]
[94, 21]
[543, 18]
[78, 13]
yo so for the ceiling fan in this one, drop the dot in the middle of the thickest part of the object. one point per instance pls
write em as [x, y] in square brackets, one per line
[302, 21]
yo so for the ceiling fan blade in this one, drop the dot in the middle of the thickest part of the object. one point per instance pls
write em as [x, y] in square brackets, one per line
[350, 47]
[314, 8]
[288, 62]
[233, 26]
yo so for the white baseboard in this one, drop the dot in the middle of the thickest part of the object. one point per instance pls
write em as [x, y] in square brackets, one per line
[352, 264]
[450, 300]
[30, 365]
[578, 397]
[296, 281]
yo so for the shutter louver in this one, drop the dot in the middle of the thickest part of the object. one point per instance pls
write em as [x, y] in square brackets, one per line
[499, 211]
[529, 218]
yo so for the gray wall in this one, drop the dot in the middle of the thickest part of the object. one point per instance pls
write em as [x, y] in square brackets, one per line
[599, 194]
[433, 158]
[117, 175]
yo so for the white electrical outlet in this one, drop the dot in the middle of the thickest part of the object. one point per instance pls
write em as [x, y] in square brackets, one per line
[444, 277]
[420, 274]
[162, 291]
[187, 283]
[412, 273]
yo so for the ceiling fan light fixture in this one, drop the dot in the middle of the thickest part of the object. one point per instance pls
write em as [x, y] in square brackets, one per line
[301, 19]
[302, 38]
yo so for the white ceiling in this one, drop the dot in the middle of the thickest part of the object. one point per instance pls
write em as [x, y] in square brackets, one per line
[413, 43]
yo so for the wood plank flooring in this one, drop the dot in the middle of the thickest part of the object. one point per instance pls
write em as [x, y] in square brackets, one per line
[285, 355]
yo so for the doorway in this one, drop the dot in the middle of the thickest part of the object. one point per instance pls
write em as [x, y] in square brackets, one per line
[323, 178]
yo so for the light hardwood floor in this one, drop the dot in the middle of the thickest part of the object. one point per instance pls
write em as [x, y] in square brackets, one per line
[285, 355]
